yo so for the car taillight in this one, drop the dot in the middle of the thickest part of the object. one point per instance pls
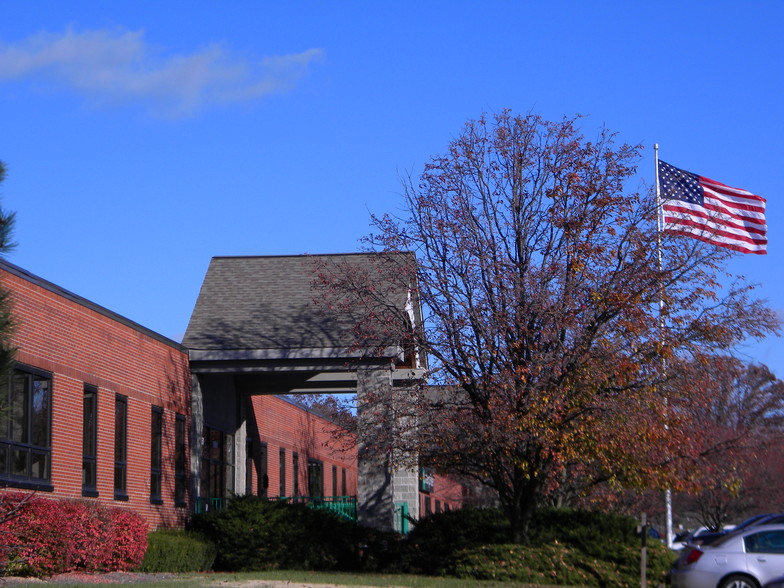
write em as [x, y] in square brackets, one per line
[693, 556]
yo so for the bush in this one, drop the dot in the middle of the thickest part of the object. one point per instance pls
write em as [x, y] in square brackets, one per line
[435, 539]
[57, 536]
[588, 531]
[559, 565]
[128, 540]
[174, 551]
[254, 534]
[565, 547]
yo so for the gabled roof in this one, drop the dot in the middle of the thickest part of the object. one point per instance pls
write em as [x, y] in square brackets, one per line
[263, 308]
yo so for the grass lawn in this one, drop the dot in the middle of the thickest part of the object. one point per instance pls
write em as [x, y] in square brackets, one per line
[279, 579]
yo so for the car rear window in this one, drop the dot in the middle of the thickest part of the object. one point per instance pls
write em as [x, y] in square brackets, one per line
[765, 542]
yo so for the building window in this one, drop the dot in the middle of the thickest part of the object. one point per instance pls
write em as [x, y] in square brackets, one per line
[156, 454]
[315, 478]
[295, 472]
[180, 461]
[90, 441]
[282, 461]
[344, 492]
[263, 477]
[334, 480]
[217, 468]
[25, 433]
[120, 447]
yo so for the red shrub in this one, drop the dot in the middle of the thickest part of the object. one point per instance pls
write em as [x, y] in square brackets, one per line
[57, 536]
[128, 539]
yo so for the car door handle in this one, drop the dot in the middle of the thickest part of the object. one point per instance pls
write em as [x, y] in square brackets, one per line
[762, 558]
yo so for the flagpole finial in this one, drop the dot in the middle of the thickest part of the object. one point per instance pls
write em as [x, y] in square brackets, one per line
[656, 146]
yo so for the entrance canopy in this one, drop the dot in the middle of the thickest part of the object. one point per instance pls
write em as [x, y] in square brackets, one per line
[268, 325]
[259, 315]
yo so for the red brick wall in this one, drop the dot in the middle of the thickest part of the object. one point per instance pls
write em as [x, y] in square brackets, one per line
[447, 494]
[80, 345]
[285, 425]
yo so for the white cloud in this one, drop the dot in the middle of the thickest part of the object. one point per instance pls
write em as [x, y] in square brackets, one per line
[119, 67]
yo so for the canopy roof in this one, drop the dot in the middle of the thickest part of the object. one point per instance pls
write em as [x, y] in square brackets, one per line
[263, 309]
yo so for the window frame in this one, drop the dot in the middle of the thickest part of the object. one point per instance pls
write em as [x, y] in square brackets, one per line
[217, 463]
[295, 472]
[120, 447]
[90, 442]
[156, 454]
[282, 472]
[9, 447]
[315, 478]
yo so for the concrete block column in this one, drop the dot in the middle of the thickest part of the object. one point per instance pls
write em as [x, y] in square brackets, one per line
[385, 479]
[375, 500]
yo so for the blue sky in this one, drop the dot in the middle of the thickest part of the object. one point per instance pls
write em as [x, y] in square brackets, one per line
[143, 138]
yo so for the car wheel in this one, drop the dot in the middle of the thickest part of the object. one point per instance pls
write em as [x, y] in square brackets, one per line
[739, 581]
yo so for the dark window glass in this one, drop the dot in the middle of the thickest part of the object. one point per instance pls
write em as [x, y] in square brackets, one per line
[765, 542]
[295, 472]
[89, 439]
[120, 446]
[263, 476]
[180, 461]
[217, 471]
[156, 453]
[334, 480]
[282, 472]
[344, 492]
[25, 433]
[315, 478]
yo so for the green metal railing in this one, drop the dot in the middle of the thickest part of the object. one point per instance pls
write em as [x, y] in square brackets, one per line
[344, 506]
[210, 504]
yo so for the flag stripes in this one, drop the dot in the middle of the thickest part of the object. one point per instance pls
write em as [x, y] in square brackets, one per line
[713, 212]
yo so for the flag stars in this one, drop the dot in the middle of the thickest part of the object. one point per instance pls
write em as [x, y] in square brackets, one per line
[677, 184]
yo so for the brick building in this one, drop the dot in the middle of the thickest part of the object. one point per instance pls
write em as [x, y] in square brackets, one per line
[295, 452]
[97, 406]
[101, 408]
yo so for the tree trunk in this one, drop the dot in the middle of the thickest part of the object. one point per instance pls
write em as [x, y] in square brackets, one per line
[520, 509]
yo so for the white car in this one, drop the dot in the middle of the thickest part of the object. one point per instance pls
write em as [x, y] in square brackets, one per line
[748, 558]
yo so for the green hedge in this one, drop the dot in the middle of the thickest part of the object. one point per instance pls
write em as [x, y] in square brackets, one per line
[434, 540]
[558, 564]
[254, 534]
[178, 551]
[566, 547]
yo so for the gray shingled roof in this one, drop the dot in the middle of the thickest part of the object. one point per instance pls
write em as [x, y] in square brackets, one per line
[263, 307]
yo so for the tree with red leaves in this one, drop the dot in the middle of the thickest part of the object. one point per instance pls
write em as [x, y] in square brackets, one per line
[736, 412]
[540, 281]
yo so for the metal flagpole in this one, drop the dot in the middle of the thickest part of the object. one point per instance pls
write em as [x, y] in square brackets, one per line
[660, 226]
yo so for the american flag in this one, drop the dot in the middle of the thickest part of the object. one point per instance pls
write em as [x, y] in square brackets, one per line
[711, 211]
